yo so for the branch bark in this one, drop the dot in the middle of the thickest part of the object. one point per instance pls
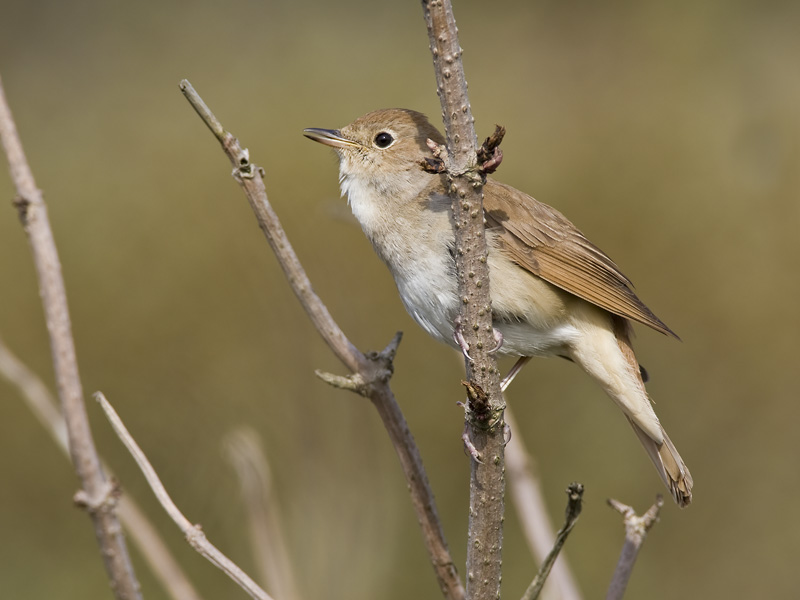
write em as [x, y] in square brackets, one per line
[371, 372]
[636, 529]
[96, 492]
[485, 424]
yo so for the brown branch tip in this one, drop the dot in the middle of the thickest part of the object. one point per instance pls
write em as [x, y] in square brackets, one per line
[489, 154]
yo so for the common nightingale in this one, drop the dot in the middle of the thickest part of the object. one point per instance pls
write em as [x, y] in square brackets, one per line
[553, 292]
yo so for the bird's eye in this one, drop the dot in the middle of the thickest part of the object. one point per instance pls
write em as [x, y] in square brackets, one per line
[383, 139]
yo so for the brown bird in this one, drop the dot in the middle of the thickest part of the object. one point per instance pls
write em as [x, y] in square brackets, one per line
[553, 292]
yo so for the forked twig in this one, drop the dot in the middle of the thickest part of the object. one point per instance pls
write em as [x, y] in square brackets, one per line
[193, 533]
[636, 529]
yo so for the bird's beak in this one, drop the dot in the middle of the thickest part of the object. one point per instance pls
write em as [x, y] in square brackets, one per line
[329, 137]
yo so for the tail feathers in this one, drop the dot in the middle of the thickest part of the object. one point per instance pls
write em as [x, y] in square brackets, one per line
[669, 464]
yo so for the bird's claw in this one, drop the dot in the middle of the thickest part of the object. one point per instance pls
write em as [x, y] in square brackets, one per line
[498, 338]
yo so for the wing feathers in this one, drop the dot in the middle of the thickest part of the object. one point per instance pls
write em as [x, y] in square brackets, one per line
[540, 239]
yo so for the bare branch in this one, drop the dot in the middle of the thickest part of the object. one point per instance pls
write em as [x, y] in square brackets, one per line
[138, 527]
[574, 506]
[636, 529]
[485, 423]
[193, 533]
[373, 370]
[33, 214]
[246, 454]
[530, 506]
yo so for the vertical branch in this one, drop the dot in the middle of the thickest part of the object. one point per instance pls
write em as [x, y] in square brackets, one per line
[485, 426]
[96, 494]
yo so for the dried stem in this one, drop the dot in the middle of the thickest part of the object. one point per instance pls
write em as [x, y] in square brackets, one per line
[245, 452]
[95, 494]
[528, 500]
[571, 514]
[485, 425]
[636, 529]
[370, 372]
[194, 533]
[141, 531]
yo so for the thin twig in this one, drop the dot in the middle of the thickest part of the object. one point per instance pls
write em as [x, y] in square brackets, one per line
[193, 533]
[571, 514]
[528, 500]
[485, 425]
[371, 371]
[246, 454]
[141, 531]
[636, 529]
[96, 492]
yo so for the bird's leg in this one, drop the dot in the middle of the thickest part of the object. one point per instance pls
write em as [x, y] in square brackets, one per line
[521, 362]
[469, 447]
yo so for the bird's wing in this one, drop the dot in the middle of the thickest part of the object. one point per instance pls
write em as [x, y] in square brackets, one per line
[541, 240]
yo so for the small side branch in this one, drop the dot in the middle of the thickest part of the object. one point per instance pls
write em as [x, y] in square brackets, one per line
[574, 506]
[193, 533]
[636, 529]
[528, 500]
[33, 214]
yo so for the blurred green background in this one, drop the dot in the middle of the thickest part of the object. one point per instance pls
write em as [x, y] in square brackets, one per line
[667, 132]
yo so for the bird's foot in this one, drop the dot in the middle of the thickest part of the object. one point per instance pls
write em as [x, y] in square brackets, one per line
[506, 434]
[498, 338]
[469, 447]
[458, 338]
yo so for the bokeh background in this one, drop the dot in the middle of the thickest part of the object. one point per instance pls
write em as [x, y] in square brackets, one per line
[667, 132]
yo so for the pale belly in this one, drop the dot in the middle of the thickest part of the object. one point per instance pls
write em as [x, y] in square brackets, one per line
[528, 312]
